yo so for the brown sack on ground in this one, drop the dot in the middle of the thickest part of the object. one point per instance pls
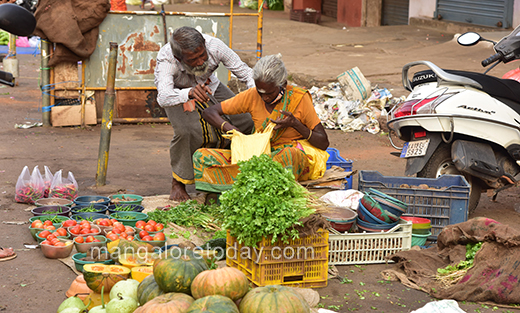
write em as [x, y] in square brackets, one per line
[72, 25]
[495, 273]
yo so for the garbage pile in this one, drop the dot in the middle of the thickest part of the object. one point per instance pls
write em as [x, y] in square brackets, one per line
[351, 104]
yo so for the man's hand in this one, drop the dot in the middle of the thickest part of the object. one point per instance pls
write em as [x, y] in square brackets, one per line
[288, 120]
[200, 93]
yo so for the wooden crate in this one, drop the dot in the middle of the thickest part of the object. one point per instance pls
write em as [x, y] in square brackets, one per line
[70, 115]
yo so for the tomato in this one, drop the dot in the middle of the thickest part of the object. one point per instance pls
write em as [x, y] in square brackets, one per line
[130, 238]
[50, 237]
[44, 233]
[143, 233]
[69, 223]
[84, 231]
[159, 226]
[49, 227]
[140, 224]
[79, 239]
[89, 238]
[96, 240]
[151, 222]
[94, 231]
[59, 244]
[104, 222]
[37, 224]
[45, 242]
[159, 237]
[112, 236]
[47, 222]
[55, 241]
[116, 231]
[61, 231]
[112, 221]
[75, 230]
[123, 235]
[120, 226]
[147, 238]
[149, 228]
[85, 226]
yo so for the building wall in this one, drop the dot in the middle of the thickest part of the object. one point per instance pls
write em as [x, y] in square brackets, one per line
[516, 13]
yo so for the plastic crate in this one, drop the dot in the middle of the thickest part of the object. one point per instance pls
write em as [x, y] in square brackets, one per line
[369, 248]
[302, 262]
[336, 160]
[445, 203]
[305, 16]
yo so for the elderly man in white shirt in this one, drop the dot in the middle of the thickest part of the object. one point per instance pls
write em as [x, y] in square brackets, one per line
[184, 78]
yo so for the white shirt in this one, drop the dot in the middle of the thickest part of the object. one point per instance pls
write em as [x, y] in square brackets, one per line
[174, 83]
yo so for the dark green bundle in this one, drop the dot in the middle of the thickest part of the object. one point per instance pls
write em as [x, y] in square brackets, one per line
[265, 200]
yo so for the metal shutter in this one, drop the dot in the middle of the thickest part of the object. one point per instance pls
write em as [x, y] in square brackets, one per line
[495, 13]
[395, 12]
[330, 8]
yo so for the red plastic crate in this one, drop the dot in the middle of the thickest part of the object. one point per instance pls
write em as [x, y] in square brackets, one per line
[306, 16]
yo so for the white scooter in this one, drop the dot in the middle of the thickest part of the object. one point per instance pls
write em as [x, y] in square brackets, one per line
[457, 122]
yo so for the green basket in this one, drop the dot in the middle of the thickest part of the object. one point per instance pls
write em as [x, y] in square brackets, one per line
[129, 218]
[420, 240]
[126, 199]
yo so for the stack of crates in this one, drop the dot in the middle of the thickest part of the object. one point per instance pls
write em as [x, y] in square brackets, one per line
[443, 200]
[335, 159]
[301, 262]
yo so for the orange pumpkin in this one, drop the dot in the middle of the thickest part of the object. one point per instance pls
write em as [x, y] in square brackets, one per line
[227, 281]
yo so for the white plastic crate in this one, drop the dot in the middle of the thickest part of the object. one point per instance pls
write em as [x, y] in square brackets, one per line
[369, 248]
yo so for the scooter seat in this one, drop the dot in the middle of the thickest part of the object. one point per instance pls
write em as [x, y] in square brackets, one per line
[496, 87]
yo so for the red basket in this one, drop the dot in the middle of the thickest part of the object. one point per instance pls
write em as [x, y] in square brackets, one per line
[306, 16]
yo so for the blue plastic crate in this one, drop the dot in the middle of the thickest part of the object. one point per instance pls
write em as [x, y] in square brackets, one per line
[335, 159]
[444, 203]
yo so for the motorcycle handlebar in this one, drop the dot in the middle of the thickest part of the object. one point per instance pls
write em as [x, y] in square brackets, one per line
[491, 59]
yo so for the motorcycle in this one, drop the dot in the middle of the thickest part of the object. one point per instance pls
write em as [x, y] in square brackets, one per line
[461, 122]
[29, 5]
[18, 21]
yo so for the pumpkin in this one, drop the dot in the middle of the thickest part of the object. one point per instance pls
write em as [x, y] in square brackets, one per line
[98, 275]
[176, 272]
[147, 290]
[172, 302]
[141, 272]
[226, 281]
[215, 304]
[273, 299]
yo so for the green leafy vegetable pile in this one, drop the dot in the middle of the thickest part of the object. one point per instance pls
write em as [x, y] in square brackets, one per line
[187, 214]
[265, 200]
[451, 274]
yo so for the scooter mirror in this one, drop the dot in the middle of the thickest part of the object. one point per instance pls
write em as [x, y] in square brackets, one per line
[16, 20]
[468, 39]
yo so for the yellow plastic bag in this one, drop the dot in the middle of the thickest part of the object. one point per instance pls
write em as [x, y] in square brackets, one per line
[317, 159]
[244, 147]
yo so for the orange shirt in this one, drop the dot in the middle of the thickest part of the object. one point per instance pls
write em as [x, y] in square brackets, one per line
[299, 103]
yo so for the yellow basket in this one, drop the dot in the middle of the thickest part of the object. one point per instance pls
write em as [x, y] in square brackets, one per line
[302, 262]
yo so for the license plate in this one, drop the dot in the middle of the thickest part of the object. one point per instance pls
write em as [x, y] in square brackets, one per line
[415, 148]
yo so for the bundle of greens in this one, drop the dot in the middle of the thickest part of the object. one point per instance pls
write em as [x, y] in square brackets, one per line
[189, 213]
[451, 274]
[265, 200]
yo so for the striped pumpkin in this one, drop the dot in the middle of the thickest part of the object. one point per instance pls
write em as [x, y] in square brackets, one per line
[213, 304]
[176, 272]
[273, 299]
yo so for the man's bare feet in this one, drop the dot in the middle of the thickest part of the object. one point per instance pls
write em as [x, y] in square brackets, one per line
[178, 192]
[7, 254]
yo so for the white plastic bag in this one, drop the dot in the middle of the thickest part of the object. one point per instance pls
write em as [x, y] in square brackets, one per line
[29, 187]
[47, 180]
[442, 306]
[65, 188]
[344, 198]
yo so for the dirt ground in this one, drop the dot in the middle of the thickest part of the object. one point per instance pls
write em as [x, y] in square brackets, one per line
[139, 160]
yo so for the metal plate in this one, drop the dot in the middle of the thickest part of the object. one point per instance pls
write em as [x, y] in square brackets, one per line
[415, 148]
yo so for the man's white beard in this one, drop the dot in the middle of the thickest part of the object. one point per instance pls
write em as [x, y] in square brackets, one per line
[198, 71]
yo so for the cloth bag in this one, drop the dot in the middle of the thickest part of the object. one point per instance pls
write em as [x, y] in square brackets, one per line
[244, 147]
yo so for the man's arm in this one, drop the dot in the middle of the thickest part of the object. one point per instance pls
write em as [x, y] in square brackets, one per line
[167, 94]
[232, 62]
